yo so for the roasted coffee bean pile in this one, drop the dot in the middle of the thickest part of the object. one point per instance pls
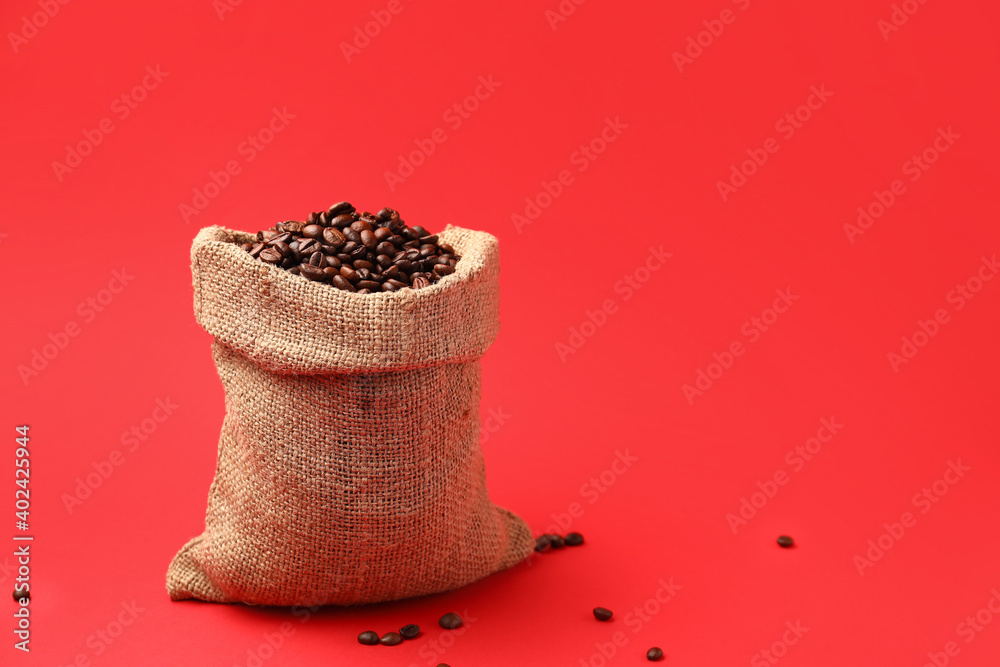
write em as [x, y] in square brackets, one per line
[553, 541]
[357, 252]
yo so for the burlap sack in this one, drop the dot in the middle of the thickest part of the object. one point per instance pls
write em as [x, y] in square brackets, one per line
[349, 467]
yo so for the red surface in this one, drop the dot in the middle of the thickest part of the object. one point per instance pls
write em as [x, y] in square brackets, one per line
[655, 186]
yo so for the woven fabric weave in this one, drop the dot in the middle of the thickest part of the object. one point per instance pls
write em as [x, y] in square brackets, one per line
[349, 467]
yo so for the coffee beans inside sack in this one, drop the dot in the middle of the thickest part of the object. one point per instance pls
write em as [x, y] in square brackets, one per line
[349, 468]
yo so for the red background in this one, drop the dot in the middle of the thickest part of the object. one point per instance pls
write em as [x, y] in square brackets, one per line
[655, 185]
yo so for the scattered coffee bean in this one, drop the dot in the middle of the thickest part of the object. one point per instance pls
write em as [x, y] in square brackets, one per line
[409, 631]
[574, 540]
[391, 639]
[654, 654]
[442, 664]
[368, 638]
[557, 541]
[602, 614]
[450, 621]
[542, 543]
[344, 238]
[785, 541]
[21, 594]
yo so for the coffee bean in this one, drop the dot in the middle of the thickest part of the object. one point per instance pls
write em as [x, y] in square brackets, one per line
[368, 239]
[419, 231]
[785, 541]
[602, 614]
[398, 284]
[369, 285]
[340, 282]
[363, 274]
[445, 248]
[359, 253]
[255, 250]
[364, 291]
[557, 541]
[385, 213]
[443, 269]
[340, 207]
[429, 240]
[317, 259]
[311, 272]
[349, 273]
[450, 621]
[293, 227]
[341, 221]
[308, 246]
[409, 631]
[312, 231]
[421, 283]
[368, 638]
[280, 238]
[270, 255]
[542, 543]
[388, 287]
[391, 639]
[363, 264]
[333, 237]
[282, 248]
[351, 235]
[382, 233]
[654, 654]
[21, 594]
[385, 248]
[574, 539]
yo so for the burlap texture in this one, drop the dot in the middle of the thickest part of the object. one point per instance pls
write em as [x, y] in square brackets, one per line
[349, 467]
